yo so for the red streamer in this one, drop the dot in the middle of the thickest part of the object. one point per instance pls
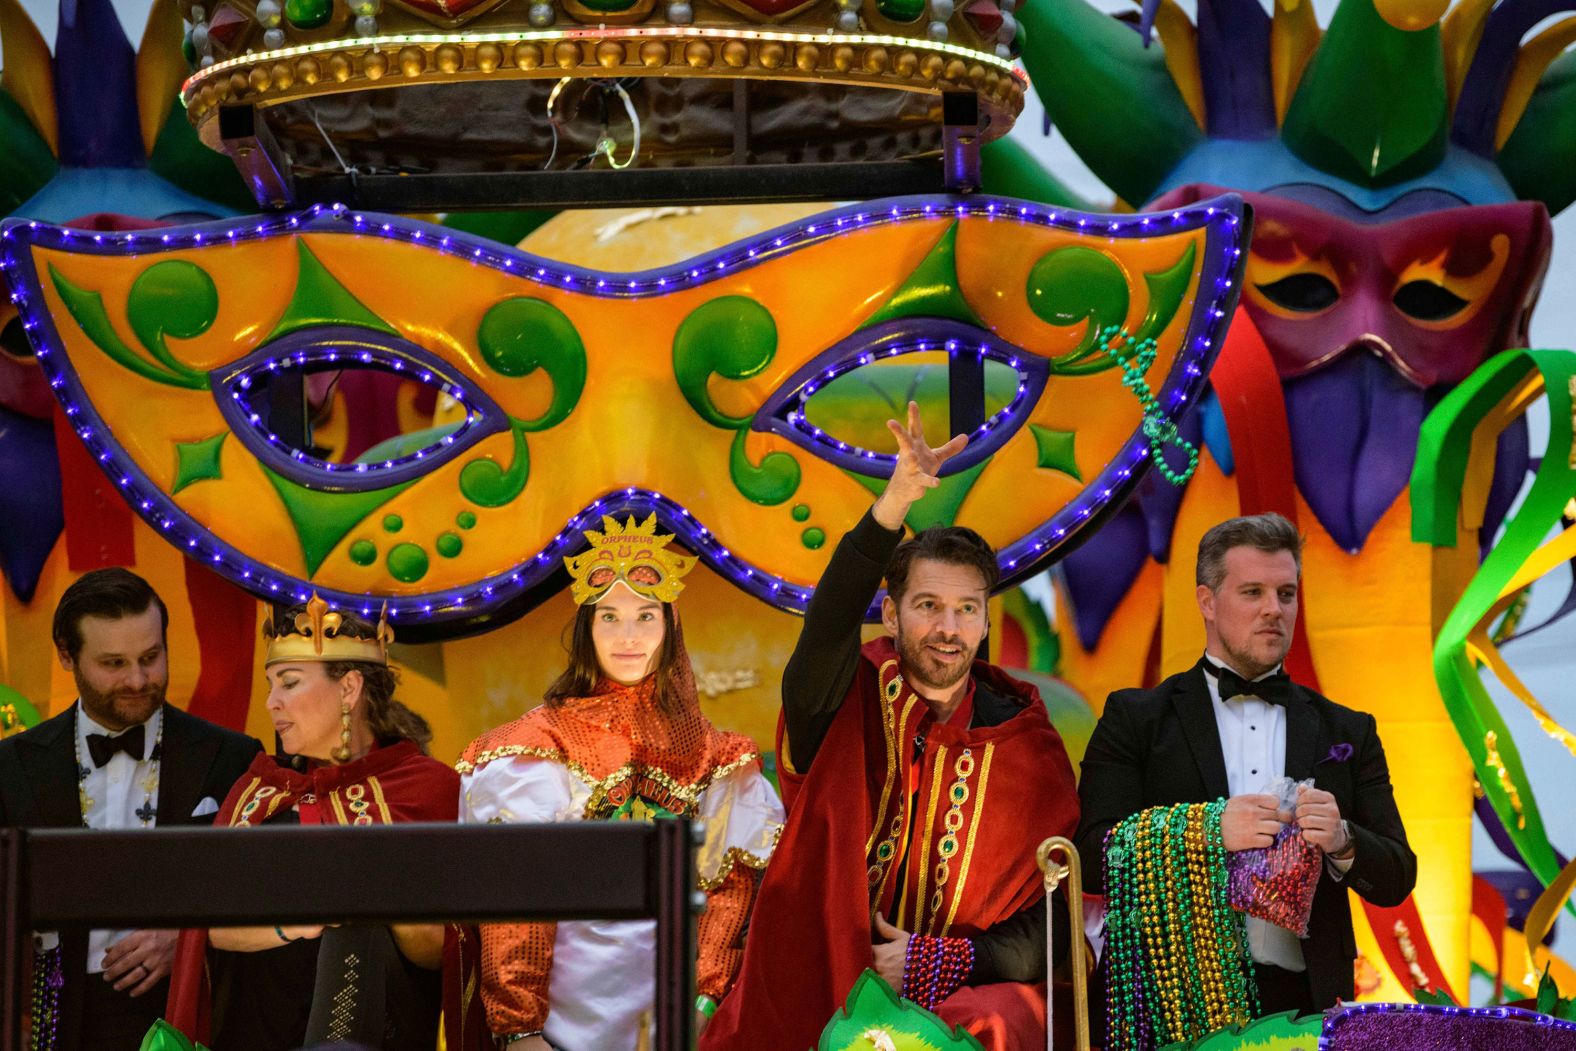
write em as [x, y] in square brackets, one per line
[226, 620]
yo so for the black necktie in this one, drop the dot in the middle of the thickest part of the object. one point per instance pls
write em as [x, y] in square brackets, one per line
[1275, 689]
[102, 747]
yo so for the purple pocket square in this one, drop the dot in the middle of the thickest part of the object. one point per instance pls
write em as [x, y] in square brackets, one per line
[1339, 753]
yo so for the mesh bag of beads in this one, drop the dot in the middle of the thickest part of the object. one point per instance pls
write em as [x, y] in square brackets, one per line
[1277, 883]
[1176, 951]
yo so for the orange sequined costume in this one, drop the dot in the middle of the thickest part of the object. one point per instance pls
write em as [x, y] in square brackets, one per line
[616, 755]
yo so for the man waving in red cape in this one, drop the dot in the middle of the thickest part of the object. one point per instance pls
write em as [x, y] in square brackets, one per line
[919, 781]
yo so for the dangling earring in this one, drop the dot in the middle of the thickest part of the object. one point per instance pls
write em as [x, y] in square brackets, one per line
[342, 753]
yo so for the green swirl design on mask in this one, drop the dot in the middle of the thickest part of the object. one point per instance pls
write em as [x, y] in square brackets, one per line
[731, 336]
[1166, 289]
[1076, 284]
[484, 483]
[523, 334]
[154, 302]
[770, 482]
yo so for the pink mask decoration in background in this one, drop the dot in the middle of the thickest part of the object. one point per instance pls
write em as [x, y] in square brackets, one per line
[1433, 294]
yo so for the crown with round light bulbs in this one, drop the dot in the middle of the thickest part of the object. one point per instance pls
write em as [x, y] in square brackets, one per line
[472, 85]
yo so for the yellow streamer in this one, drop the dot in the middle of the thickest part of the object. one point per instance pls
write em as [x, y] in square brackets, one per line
[29, 76]
[1497, 764]
[1541, 916]
[1179, 42]
[1534, 58]
[1542, 562]
[1460, 34]
[1294, 37]
[1481, 647]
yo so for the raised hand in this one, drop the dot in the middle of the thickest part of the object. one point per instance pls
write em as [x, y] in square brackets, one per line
[918, 469]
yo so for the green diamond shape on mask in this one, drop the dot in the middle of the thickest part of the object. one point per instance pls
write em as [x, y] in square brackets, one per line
[321, 300]
[322, 519]
[197, 461]
[939, 507]
[1055, 449]
[932, 289]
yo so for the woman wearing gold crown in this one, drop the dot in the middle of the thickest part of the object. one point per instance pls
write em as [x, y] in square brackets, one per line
[620, 736]
[360, 758]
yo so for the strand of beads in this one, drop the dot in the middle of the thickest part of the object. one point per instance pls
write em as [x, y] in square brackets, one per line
[1195, 1011]
[1123, 947]
[1136, 356]
[934, 968]
[1179, 967]
[1240, 999]
[48, 980]
[1161, 923]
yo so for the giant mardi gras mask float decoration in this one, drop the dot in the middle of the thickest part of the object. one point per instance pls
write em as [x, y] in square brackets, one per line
[729, 393]
[1399, 170]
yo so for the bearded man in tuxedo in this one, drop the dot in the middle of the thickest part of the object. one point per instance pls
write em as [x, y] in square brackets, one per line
[118, 758]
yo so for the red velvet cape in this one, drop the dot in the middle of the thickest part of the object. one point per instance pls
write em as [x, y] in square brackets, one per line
[810, 933]
[388, 785]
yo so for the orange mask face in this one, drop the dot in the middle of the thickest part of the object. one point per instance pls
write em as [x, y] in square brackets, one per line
[741, 396]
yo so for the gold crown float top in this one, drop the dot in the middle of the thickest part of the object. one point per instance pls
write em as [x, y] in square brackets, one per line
[315, 635]
[472, 86]
[632, 555]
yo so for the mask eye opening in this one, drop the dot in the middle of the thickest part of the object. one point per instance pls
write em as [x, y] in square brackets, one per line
[1424, 300]
[278, 400]
[1304, 293]
[994, 383]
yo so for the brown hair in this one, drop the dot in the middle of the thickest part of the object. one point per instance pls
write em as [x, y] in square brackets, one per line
[954, 545]
[110, 593]
[389, 719]
[583, 673]
[1268, 532]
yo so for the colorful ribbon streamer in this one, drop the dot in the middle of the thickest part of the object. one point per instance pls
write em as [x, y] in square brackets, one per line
[1454, 458]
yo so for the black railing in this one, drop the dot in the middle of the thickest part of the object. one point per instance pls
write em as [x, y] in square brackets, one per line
[165, 878]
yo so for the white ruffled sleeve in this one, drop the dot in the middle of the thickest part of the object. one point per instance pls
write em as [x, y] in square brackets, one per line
[744, 819]
[519, 789]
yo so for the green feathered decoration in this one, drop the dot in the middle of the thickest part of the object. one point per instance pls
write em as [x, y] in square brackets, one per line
[1279, 1032]
[874, 1018]
[165, 1037]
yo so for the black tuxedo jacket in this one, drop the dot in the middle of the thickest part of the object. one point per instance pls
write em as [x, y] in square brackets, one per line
[38, 789]
[1160, 747]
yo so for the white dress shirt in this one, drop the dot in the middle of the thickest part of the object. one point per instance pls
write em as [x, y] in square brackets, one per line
[1253, 741]
[118, 789]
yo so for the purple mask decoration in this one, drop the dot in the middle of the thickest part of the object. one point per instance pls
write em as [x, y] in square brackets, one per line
[1433, 295]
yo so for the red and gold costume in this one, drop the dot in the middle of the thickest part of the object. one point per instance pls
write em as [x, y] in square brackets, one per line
[392, 783]
[940, 844]
[617, 754]
[389, 785]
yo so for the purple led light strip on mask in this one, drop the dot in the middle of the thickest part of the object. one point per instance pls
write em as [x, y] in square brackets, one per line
[1434, 1027]
[1223, 219]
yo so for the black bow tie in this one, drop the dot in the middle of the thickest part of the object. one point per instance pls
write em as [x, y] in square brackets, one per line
[1274, 689]
[102, 747]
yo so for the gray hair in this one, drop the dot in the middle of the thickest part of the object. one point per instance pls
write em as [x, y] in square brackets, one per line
[1267, 532]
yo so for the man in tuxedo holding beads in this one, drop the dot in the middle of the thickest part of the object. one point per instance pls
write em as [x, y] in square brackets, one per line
[1233, 725]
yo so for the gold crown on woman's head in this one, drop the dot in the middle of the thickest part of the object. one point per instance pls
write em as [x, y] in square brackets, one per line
[631, 554]
[315, 635]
